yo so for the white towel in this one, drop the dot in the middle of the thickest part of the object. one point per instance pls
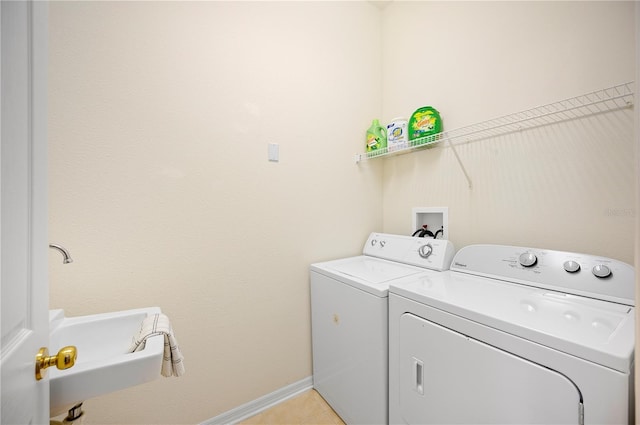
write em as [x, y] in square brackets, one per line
[158, 324]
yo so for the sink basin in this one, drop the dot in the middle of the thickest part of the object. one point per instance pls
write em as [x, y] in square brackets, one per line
[103, 364]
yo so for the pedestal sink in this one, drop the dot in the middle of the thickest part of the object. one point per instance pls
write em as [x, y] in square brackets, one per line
[103, 364]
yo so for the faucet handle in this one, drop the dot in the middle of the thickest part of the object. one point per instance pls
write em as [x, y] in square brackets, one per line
[65, 254]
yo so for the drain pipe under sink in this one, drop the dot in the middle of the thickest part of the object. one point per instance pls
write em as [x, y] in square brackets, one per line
[75, 416]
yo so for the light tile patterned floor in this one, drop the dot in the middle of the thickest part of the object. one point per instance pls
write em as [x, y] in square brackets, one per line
[308, 408]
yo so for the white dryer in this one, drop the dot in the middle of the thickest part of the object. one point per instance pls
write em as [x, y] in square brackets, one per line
[349, 319]
[514, 335]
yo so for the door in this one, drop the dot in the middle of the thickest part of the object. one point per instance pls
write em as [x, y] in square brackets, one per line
[447, 377]
[24, 296]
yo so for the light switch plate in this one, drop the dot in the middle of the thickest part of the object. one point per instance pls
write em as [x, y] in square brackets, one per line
[274, 152]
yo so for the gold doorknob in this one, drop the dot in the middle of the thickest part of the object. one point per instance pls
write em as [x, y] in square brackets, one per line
[65, 359]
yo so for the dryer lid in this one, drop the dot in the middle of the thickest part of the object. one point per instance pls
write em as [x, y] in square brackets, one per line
[595, 330]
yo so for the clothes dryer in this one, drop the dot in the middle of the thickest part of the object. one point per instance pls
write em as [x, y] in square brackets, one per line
[514, 335]
[349, 319]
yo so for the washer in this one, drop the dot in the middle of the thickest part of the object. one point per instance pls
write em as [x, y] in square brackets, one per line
[349, 320]
[514, 335]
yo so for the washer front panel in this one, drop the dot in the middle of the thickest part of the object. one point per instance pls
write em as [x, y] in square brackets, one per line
[350, 349]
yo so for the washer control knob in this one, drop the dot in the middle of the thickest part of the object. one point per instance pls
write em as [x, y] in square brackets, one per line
[528, 259]
[571, 266]
[382, 244]
[425, 250]
[601, 271]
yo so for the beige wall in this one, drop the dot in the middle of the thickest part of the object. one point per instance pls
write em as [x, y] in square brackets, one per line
[160, 116]
[569, 186]
[160, 187]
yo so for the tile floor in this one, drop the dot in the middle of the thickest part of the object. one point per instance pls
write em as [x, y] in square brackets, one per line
[308, 408]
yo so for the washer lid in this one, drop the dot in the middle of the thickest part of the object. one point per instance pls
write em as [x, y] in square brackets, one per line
[367, 273]
[595, 330]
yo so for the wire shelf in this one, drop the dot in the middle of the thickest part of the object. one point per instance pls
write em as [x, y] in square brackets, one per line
[597, 102]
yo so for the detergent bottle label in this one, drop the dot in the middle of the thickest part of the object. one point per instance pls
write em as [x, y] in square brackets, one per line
[372, 142]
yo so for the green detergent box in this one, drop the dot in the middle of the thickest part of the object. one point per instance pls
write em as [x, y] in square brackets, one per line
[424, 124]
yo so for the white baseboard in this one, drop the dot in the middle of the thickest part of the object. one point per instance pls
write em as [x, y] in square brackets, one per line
[258, 405]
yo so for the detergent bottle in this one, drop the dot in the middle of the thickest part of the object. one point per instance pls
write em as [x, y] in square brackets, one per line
[376, 137]
[397, 134]
[424, 122]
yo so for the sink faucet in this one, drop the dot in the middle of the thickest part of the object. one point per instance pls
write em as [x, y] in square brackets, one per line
[67, 258]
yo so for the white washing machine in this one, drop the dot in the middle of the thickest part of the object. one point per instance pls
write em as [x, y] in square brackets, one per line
[349, 320]
[512, 336]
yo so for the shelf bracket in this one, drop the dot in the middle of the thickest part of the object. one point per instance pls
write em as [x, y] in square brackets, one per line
[464, 170]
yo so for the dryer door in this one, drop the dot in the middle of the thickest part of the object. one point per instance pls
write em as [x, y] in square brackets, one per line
[447, 377]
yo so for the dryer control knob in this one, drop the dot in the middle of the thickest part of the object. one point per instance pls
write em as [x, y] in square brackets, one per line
[571, 266]
[601, 271]
[425, 250]
[528, 259]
